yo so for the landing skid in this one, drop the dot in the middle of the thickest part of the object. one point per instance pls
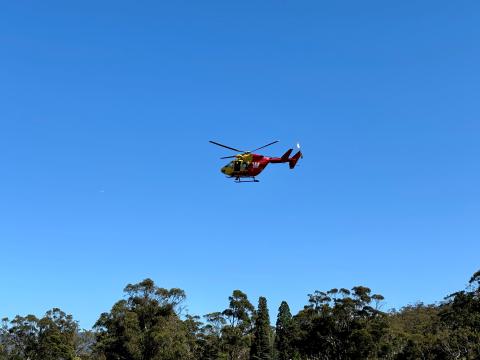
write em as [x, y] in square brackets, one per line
[238, 180]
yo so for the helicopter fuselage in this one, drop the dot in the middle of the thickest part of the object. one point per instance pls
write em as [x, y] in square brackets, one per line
[249, 165]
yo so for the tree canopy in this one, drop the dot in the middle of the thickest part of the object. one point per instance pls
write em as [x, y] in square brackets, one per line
[150, 323]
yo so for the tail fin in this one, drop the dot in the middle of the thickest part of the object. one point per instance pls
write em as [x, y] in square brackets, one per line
[286, 155]
[293, 160]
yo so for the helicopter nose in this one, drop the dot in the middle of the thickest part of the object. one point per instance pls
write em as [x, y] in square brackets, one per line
[227, 170]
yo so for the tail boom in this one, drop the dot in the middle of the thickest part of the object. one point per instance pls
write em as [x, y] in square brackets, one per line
[292, 161]
[283, 159]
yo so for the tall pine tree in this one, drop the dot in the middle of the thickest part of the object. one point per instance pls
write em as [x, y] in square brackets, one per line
[261, 349]
[283, 332]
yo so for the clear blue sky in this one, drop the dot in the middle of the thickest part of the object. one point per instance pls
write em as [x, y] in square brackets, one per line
[107, 176]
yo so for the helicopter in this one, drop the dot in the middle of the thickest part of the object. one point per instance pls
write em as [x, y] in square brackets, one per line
[248, 165]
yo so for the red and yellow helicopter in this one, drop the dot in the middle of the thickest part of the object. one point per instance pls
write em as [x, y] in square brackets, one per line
[248, 165]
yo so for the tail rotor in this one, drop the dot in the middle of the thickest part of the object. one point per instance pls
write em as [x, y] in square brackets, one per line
[294, 159]
[298, 147]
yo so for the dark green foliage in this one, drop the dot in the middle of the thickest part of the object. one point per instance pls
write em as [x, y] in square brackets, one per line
[341, 325]
[209, 337]
[284, 333]
[261, 346]
[460, 316]
[414, 331]
[240, 310]
[236, 334]
[50, 338]
[337, 324]
[56, 336]
[145, 326]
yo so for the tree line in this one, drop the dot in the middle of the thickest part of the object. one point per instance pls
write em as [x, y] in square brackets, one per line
[150, 324]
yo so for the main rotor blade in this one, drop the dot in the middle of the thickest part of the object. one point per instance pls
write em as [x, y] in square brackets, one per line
[264, 146]
[228, 157]
[225, 146]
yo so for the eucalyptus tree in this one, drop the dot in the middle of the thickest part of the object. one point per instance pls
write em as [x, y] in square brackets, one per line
[236, 334]
[144, 326]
